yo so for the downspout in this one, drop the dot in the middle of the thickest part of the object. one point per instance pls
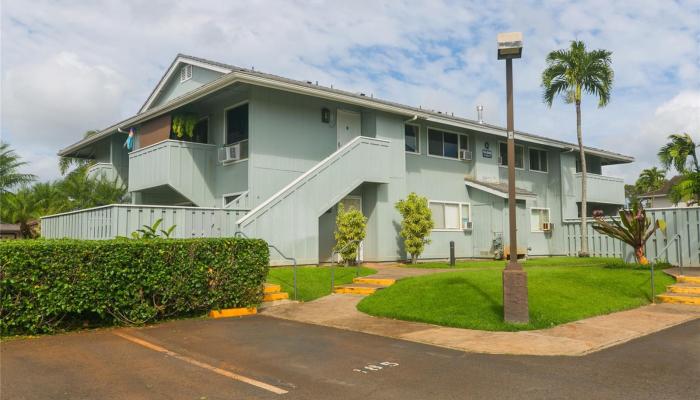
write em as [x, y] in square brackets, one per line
[415, 117]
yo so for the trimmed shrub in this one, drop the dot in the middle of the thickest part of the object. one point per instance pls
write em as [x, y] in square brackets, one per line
[49, 285]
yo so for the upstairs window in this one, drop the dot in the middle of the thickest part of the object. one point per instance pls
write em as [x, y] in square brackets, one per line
[237, 124]
[412, 138]
[185, 73]
[519, 155]
[538, 160]
[446, 144]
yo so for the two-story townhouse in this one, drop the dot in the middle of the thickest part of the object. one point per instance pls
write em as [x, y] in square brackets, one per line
[272, 157]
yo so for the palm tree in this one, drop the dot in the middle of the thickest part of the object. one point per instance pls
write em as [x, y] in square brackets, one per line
[21, 208]
[10, 162]
[651, 179]
[571, 73]
[65, 163]
[680, 152]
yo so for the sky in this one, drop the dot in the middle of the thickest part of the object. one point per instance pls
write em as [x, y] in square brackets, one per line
[72, 66]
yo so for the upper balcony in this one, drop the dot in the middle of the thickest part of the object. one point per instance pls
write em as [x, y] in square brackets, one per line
[102, 169]
[185, 167]
[601, 188]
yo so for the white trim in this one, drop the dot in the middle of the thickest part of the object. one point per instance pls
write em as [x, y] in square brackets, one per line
[498, 193]
[549, 217]
[169, 142]
[459, 142]
[224, 195]
[459, 204]
[417, 138]
[529, 158]
[516, 148]
[174, 67]
[240, 103]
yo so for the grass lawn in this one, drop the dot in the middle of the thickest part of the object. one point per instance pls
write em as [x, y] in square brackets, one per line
[557, 294]
[544, 261]
[312, 282]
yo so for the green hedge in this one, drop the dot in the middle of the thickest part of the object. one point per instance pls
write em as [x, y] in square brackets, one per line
[49, 285]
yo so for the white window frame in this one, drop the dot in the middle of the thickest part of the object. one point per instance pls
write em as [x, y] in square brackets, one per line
[417, 139]
[459, 143]
[224, 204]
[500, 156]
[460, 206]
[223, 136]
[549, 217]
[185, 73]
[529, 158]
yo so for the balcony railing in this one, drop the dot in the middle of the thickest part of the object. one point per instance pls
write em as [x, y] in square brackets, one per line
[601, 189]
[185, 166]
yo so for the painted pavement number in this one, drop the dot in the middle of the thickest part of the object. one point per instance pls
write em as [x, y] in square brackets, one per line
[376, 367]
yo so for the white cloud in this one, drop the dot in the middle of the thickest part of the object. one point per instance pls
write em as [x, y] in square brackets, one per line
[70, 67]
[680, 114]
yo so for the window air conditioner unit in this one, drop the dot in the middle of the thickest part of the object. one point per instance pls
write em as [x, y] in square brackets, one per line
[547, 226]
[467, 225]
[230, 153]
[465, 155]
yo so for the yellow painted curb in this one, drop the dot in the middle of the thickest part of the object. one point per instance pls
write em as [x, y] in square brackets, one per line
[684, 289]
[375, 281]
[272, 288]
[232, 312]
[354, 290]
[275, 296]
[688, 279]
[679, 299]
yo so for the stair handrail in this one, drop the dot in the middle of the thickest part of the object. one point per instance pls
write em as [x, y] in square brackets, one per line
[335, 253]
[679, 248]
[271, 246]
[346, 147]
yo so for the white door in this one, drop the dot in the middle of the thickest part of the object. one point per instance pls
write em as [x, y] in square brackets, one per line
[349, 125]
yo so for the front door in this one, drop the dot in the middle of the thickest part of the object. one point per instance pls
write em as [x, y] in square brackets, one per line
[349, 126]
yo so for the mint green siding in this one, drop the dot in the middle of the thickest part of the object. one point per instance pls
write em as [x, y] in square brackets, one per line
[296, 173]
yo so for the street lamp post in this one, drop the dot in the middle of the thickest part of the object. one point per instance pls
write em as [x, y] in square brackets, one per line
[515, 308]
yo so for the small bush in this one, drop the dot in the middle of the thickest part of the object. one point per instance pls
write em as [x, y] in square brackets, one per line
[351, 228]
[53, 285]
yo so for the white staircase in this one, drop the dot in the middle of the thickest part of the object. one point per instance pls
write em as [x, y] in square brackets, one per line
[293, 212]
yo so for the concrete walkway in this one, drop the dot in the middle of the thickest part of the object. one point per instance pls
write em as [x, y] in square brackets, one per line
[571, 339]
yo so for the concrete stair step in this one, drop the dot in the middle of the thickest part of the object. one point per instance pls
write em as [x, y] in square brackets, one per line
[684, 288]
[275, 296]
[677, 298]
[357, 288]
[272, 288]
[375, 281]
[688, 279]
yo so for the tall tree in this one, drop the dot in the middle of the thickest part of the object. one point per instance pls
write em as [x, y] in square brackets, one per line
[680, 152]
[21, 208]
[650, 179]
[10, 162]
[65, 163]
[571, 73]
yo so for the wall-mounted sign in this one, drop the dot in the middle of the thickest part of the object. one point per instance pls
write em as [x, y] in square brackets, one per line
[486, 151]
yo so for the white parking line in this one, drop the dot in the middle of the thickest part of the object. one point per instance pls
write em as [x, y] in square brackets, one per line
[223, 372]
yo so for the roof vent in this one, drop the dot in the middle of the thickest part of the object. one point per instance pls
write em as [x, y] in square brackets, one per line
[480, 113]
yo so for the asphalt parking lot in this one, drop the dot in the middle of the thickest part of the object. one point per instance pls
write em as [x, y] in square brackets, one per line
[266, 358]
